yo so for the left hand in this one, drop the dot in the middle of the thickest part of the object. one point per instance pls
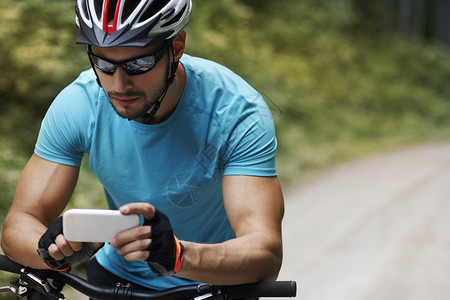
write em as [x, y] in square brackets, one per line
[153, 242]
[60, 254]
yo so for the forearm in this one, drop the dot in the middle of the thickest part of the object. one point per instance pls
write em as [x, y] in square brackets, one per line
[21, 233]
[42, 192]
[255, 208]
[247, 259]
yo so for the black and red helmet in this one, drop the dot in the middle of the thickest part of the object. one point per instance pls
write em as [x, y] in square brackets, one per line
[131, 23]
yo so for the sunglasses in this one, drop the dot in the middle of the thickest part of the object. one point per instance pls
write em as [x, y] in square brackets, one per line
[135, 66]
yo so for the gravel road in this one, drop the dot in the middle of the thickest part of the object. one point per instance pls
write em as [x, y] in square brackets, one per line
[376, 228]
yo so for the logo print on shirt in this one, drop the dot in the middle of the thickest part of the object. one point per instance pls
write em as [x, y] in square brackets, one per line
[183, 190]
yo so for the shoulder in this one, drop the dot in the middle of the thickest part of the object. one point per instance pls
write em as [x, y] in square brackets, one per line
[79, 101]
[214, 75]
[81, 91]
[67, 126]
[219, 90]
[245, 120]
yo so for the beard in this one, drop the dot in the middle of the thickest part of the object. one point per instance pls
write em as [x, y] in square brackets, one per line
[137, 110]
[140, 109]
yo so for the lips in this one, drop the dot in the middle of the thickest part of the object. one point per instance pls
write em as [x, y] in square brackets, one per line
[125, 100]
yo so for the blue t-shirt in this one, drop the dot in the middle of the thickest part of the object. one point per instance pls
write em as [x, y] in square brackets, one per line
[221, 126]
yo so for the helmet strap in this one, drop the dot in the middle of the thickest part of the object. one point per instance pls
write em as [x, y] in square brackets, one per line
[172, 68]
[95, 72]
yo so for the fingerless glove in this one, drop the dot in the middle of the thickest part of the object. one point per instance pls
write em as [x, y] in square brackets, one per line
[166, 252]
[49, 237]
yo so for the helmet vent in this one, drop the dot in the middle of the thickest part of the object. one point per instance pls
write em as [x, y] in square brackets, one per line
[98, 7]
[111, 11]
[83, 7]
[129, 8]
[130, 23]
[175, 19]
[153, 9]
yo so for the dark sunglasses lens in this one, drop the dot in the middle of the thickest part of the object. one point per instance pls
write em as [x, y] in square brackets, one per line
[133, 67]
[103, 65]
[141, 65]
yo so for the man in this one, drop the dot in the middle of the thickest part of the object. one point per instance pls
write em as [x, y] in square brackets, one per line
[182, 141]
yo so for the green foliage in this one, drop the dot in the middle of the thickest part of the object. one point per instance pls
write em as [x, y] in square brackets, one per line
[335, 91]
[38, 58]
[11, 161]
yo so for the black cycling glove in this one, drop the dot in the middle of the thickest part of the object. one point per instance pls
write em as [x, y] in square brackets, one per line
[166, 252]
[60, 265]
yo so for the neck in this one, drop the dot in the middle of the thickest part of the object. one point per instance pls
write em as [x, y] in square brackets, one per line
[171, 99]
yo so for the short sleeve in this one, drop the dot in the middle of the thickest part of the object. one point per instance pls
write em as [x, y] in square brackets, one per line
[64, 135]
[251, 144]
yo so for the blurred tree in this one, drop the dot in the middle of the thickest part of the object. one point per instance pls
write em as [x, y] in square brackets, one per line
[334, 70]
[442, 24]
[38, 57]
[426, 19]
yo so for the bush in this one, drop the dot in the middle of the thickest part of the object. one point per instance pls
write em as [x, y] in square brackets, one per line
[335, 91]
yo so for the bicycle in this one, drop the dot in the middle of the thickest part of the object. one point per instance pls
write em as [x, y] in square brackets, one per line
[35, 285]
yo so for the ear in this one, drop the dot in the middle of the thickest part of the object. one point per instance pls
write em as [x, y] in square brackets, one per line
[179, 44]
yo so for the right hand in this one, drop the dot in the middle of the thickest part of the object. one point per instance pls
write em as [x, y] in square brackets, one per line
[153, 242]
[60, 254]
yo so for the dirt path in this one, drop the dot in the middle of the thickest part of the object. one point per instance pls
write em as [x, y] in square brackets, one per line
[376, 228]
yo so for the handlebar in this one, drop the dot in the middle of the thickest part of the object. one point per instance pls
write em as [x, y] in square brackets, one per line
[37, 280]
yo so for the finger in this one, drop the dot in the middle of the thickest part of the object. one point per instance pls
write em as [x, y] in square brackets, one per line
[76, 246]
[145, 209]
[63, 245]
[130, 235]
[135, 246]
[137, 255]
[98, 245]
[54, 252]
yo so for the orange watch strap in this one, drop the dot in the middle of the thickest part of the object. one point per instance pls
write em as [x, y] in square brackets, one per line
[179, 255]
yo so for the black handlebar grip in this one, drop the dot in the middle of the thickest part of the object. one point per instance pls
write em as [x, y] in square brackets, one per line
[263, 289]
[259, 289]
[8, 265]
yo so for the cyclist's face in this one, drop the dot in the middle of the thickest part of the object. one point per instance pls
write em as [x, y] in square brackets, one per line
[132, 96]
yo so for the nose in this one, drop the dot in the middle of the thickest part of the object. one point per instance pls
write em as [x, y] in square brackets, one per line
[121, 80]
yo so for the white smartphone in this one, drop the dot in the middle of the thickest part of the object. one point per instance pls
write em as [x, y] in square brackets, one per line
[96, 225]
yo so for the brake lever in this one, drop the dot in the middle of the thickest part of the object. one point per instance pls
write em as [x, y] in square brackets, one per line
[4, 289]
[32, 283]
[19, 288]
